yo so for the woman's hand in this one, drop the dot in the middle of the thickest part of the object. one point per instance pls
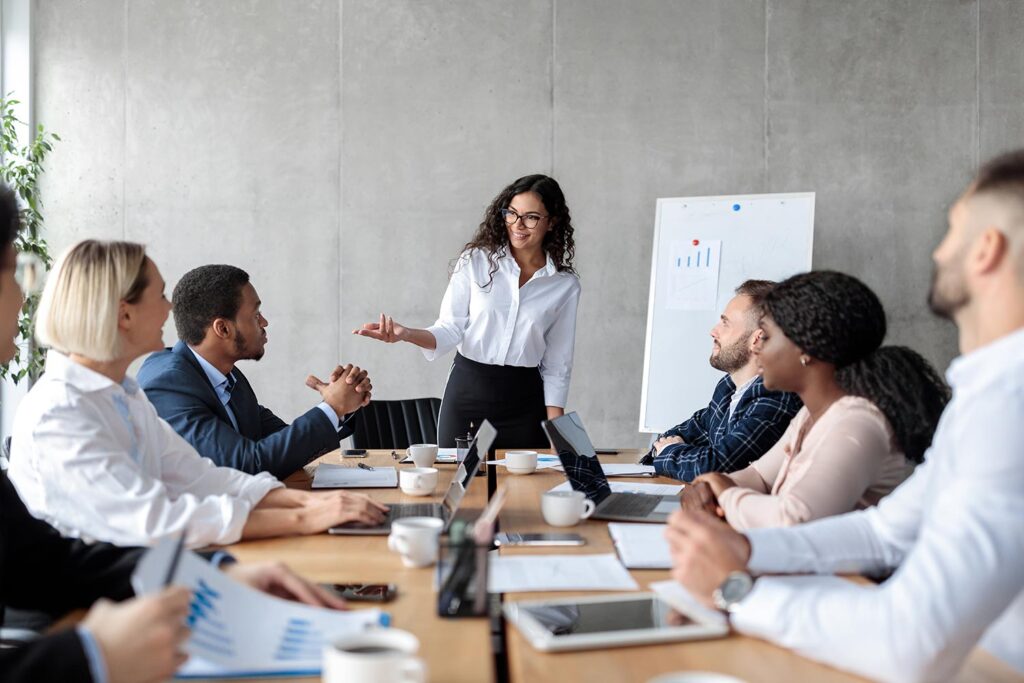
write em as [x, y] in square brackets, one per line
[385, 330]
[717, 481]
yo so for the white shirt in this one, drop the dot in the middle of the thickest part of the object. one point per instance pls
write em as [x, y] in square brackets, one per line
[955, 529]
[92, 458]
[505, 324]
[738, 394]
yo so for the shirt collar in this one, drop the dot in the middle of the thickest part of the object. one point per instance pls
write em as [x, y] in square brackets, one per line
[61, 366]
[988, 363]
[216, 377]
[548, 269]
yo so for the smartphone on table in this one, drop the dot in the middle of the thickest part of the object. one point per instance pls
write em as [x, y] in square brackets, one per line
[538, 539]
[363, 592]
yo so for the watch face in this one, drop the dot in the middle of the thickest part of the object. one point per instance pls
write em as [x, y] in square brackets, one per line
[735, 587]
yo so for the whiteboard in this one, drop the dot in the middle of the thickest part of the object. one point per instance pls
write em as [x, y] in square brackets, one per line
[705, 247]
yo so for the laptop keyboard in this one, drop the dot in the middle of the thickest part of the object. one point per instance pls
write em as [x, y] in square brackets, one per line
[412, 510]
[629, 504]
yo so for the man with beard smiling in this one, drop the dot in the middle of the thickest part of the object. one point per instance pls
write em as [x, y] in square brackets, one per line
[197, 389]
[952, 531]
[743, 419]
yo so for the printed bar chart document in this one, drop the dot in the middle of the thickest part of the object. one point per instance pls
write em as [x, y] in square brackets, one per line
[237, 630]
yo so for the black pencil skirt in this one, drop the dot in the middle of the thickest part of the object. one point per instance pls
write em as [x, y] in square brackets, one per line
[511, 398]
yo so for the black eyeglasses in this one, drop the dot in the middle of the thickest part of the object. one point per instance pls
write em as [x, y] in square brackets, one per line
[530, 220]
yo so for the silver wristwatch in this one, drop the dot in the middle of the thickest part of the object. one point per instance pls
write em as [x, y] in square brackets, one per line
[735, 587]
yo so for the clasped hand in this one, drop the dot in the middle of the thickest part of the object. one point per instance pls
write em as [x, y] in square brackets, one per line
[348, 390]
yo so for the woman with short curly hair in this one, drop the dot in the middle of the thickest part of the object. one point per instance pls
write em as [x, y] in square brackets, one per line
[869, 411]
[510, 311]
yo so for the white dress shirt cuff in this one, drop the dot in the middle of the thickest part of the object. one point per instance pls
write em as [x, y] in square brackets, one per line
[556, 390]
[331, 415]
[443, 342]
[93, 654]
[768, 553]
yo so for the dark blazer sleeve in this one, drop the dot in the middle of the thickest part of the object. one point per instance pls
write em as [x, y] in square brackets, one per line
[57, 657]
[41, 570]
[180, 397]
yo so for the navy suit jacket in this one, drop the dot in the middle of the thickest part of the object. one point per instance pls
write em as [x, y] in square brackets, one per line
[178, 387]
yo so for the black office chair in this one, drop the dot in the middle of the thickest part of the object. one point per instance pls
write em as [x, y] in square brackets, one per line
[396, 424]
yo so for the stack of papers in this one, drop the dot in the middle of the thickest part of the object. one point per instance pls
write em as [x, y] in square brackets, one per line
[527, 573]
[328, 476]
[237, 630]
[630, 487]
[641, 546]
[622, 469]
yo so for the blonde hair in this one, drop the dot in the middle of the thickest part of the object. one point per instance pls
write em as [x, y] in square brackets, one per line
[79, 308]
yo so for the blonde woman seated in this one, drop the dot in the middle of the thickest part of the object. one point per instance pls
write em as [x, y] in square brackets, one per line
[89, 453]
[869, 413]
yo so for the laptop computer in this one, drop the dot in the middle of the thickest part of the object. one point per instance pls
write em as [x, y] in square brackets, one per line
[583, 470]
[447, 508]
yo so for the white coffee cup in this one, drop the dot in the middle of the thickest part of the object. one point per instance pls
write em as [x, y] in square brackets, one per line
[422, 454]
[521, 462]
[565, 508]
[418, 481]
[415, 539]
[384, 655]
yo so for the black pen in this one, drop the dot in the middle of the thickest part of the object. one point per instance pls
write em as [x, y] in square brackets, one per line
[364, 466]
[175, 558]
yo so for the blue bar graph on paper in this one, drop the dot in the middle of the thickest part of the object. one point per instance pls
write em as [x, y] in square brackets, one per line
[709, 258]
[679, 262]
[687, 261]
[698, 259]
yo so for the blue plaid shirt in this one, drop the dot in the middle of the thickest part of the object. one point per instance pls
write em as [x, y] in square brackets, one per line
[712, 442]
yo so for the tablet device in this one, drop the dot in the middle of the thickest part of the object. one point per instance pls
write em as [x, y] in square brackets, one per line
[609, 621]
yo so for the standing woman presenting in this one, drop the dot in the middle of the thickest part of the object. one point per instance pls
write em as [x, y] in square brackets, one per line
[510, 310]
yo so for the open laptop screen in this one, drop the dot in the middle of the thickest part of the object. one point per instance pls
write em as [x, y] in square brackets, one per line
[481, 443]
[579, 460]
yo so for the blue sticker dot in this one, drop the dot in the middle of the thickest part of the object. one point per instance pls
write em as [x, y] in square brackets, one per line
[735, 207]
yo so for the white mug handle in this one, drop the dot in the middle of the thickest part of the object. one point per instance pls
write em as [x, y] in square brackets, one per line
[397, 544]
[408, 452]
[588, 508]
[414, 670]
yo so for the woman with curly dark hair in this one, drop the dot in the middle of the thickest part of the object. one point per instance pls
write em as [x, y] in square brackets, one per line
[510, 310]
[869, 413]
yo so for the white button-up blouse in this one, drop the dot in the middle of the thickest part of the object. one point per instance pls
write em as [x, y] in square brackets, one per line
[505, 324]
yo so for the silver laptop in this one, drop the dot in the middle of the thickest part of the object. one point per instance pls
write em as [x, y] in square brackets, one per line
[447, 508]
[583, 470]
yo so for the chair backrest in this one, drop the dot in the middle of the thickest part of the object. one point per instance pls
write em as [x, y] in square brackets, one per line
[396, 424]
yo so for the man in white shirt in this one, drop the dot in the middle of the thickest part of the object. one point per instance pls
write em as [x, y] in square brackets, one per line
[953, 530]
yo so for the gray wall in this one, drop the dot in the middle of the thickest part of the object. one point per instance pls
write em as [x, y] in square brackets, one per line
[342, 151]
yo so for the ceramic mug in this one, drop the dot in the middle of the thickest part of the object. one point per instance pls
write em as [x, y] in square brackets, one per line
[418, 481]
[376, 656]
[521, 462]
[565, 508]
[422, 454]
[415, 539]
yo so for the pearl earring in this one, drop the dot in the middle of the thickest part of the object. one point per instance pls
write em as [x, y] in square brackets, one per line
[803, 361]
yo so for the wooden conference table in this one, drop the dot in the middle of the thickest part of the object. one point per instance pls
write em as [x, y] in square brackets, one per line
[461, 649]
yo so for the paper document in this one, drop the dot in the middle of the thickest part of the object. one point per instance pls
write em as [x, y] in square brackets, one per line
[676, 595]
[641, 546]
[623, 469]
[693, 275]
[237, 629]
[328, 476]
[526, 573]
[629, 487]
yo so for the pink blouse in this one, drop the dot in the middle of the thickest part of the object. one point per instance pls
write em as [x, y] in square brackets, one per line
[847, 460]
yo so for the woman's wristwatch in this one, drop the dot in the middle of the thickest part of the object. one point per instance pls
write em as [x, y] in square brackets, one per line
[731, 591]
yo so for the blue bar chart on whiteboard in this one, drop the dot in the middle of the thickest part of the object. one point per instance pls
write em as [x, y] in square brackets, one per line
[693, 275]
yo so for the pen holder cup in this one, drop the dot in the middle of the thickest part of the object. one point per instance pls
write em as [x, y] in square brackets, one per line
[462, 579]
